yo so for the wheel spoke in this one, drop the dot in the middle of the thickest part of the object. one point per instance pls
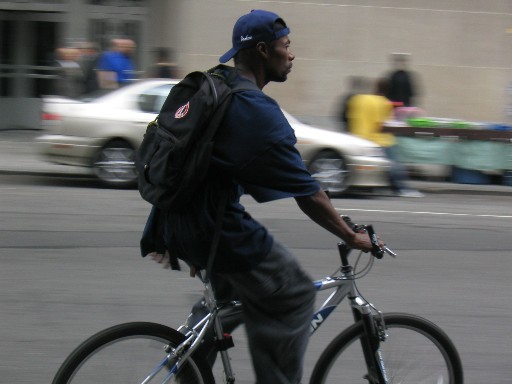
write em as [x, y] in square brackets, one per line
[330, 172]
[116, 165]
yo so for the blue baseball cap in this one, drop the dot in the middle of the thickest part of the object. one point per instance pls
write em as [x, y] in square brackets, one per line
[250, 29]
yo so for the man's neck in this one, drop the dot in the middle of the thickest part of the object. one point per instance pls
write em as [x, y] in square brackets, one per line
[250, 74]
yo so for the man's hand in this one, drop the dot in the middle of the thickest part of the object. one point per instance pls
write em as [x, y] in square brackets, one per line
[163, 259]
[193, 271]
[362, 241]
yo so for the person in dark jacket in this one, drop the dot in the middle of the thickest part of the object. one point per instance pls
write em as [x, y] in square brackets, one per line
[402, 87]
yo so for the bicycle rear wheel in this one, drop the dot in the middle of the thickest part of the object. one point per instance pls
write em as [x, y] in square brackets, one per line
[128, 353]
[416, 351]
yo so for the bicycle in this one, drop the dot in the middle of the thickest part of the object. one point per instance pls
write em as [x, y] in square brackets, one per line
[377, 348]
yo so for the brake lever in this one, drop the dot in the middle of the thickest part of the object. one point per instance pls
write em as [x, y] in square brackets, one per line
[377, 251]
[389, 251]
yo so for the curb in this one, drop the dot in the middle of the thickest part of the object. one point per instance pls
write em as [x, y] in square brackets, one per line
[46, 174]
[459, 188]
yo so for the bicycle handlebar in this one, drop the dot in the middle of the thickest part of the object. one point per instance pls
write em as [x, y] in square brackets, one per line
[377, 251]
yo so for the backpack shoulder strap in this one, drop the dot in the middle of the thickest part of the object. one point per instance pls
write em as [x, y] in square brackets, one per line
[230, 76]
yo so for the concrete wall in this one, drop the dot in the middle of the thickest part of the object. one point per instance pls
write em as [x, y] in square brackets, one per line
[460, 49]
[20, 113]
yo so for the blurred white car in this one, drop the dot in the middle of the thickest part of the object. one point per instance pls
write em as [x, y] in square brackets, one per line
[104, 132]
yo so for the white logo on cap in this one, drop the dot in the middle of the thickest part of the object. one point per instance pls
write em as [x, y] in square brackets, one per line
[245, 38]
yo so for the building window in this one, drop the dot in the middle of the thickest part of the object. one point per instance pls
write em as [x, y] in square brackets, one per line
[45, 71]
[7, 44]
[102, 30]
[29, 72]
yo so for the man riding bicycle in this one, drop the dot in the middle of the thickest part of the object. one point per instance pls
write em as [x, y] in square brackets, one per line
[254, 153]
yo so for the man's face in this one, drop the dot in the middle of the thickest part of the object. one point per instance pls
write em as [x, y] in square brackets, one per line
[280, 59]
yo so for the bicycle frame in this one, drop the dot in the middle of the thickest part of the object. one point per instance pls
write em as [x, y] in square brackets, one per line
[344, 285]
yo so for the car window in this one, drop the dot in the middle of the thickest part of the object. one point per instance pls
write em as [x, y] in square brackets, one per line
[152, 99]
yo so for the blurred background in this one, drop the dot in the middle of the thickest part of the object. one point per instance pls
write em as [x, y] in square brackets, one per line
[69, 252]
[459, 51]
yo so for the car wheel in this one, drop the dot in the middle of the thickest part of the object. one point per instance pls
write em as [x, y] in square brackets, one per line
[114, 164]
[331, 172]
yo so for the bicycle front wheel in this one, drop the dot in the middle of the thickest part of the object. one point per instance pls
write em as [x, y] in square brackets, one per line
[129, 353]
[416, 351]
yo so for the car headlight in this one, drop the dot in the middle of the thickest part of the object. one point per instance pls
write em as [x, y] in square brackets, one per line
[373, 152]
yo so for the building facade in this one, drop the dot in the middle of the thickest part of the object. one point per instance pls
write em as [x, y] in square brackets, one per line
[32, 31]
[460, 50]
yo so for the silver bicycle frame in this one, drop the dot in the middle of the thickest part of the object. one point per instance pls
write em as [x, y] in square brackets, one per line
[344, 284]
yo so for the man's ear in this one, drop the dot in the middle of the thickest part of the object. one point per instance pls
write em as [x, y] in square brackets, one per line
[263, 49]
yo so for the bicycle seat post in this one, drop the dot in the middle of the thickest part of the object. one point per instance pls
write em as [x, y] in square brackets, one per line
[221, 338]
[209, 294]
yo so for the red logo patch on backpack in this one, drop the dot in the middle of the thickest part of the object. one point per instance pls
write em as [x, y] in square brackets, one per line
[182, 111]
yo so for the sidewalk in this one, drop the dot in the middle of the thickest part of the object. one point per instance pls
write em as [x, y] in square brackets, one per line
[18, 155]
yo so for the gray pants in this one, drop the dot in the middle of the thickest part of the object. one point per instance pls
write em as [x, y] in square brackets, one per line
[278, 299]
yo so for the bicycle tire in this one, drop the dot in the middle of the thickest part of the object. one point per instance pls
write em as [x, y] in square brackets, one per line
[127, 353]
[416, 351]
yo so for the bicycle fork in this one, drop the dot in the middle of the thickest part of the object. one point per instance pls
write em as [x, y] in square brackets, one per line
[374, 333]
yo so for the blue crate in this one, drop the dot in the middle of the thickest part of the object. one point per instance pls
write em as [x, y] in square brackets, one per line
[469, 176]
[507, 178]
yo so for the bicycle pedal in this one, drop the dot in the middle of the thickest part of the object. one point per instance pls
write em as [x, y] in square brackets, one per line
[225, 343]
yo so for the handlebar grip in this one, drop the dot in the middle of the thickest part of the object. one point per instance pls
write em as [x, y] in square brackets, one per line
[349, 222]
[376, 249]
[355, 227]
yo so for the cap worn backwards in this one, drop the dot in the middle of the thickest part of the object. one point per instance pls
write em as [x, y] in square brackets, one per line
[253, 27]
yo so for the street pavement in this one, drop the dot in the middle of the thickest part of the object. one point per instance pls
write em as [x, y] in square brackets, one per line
[18, 156]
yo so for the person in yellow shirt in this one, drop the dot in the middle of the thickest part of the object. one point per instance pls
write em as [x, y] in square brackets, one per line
[367, 113]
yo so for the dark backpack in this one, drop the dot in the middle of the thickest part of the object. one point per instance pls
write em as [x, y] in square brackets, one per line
[174, 156]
